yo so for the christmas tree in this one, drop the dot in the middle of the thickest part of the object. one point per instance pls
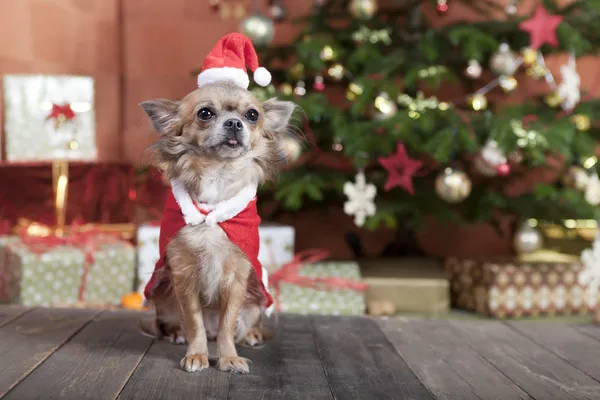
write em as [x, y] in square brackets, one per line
[403, 118]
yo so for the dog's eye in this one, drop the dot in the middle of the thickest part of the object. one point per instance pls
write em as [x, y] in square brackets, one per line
[205, 114]
[252, 115]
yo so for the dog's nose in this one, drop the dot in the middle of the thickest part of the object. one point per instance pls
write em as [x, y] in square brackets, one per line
[233, 125]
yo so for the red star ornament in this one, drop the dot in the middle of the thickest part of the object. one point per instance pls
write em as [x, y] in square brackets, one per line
[542, 27]
[400, 168]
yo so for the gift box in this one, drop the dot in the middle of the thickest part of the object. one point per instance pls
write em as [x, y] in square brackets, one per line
[545, 283]
[276, 245]
[417, 285]
[147, 253]
[309, 285]
[59, 271]
[49, 117]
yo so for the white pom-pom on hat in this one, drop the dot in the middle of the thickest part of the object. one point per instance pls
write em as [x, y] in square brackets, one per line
[262, 76]
[227, 61]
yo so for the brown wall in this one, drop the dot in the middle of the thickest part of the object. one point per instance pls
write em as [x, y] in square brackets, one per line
[79, 37]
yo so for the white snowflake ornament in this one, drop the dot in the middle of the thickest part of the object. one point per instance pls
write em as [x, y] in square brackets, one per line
[592, 190]
[361, 199]
[569, 89]
[590, 275]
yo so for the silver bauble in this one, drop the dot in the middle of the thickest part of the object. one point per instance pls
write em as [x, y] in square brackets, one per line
[504, 61]
[258, 28]
[453, 185]
[527, 239]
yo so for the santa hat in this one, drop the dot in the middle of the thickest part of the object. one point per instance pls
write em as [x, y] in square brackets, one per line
[227, 61]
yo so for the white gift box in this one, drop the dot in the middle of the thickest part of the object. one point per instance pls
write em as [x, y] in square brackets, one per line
[276, 245]
[147, 253]
[31, 135]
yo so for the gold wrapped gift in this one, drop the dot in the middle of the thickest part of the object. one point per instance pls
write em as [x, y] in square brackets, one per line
[571, 236]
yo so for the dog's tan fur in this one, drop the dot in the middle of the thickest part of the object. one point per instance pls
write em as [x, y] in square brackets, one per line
[211, 291]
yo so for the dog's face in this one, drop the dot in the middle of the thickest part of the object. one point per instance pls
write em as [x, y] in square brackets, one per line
[218, 122]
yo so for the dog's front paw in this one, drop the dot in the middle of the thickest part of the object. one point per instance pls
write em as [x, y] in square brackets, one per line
[237, 365]
[194, 219]
[194, 362]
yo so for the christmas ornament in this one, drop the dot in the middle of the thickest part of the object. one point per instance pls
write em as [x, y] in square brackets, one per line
[503, 170]
[319, 84]
[527, 239]
[258, 28]
[537, 71]
[286, 89]
[354, 91]
[453, 185]
[529, 56]
[327, 53]
[300, 89]
[400, 168]
[582, 122]
[478, 101]
[362, 9]
[61, 114]
[511, 9]
[337, 145]
[297, 71]
[277, 11]
[385, 106]
[504, 61]
[592, 189]
[361, 196]
[576, 178]
[491, 160]
[507, 83]
[553, 99]
[541, 27]
[336, 71]
[442, 7]
[473, 70]
[290, 149]
[569, 90]
[73, 144]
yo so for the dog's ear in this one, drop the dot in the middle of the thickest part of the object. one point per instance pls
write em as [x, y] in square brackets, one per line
[277, 115]
[164, 115]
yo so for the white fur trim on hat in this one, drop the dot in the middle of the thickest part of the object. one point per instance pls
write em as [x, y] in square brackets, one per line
[214, 75]
[262, 76]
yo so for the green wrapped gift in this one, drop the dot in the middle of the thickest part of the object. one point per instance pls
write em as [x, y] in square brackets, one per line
[97, 270]
[328, 288]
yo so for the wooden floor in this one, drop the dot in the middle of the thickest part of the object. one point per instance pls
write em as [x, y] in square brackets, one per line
[83, 354]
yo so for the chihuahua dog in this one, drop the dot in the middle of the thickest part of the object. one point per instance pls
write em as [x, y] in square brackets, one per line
[216, 146]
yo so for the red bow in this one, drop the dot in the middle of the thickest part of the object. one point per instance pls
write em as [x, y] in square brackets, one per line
[65, 111]
[289, 273]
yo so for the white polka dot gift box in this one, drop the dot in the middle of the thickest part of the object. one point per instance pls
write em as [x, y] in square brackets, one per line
[309, 285]
[49, 117]
[276, 245]
[99, 271]
[546, 283]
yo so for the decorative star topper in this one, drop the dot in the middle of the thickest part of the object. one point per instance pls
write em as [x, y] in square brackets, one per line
[542, 27]
[400, 168]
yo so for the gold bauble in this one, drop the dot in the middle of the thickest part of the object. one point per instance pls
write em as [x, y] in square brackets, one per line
[291, 149]
[582, 122]
[478, 102]
[286, 89]
[508, 83]
[453, 185]
[529, 56]
[527, 239]
[354, 90]
[576, 177]
[336, 71]
[297, 71]
[553, 99]
[327, 53]
[473, 70]
[362, 9]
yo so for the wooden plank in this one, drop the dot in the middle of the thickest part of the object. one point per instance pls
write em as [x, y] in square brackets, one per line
[449, 369]
[29, 340]
[9, 313]
[158, 376]
[591, 330]
[361, 363]
[574, 347]
[99, 359]
[287, 367]
[537, 371]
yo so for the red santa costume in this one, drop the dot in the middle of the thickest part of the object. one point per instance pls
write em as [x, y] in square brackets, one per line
[238, 216]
